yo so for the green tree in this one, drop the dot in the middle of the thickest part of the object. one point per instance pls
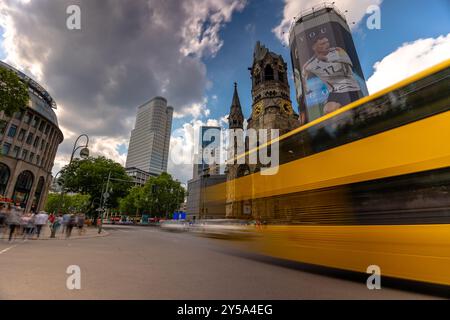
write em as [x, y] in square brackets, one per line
[130, 203]
[161, 195]
[89, 177]
[67, 203]
[13, 92]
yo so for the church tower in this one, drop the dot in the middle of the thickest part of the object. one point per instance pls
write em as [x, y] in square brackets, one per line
[271, 107]
[234, 170]
[236, 117]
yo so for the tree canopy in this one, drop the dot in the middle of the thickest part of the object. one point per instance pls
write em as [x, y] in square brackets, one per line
[13, 92]
[67, 203]
[89, 176]
[159, 197]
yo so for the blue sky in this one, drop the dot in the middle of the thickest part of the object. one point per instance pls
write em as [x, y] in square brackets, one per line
[401, 21]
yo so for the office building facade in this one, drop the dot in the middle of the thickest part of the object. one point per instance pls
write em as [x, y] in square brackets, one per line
[150, 139]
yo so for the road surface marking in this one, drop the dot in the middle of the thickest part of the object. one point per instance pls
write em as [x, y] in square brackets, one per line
[9, 248]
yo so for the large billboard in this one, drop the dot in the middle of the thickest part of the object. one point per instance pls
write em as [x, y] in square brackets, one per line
[327, 72]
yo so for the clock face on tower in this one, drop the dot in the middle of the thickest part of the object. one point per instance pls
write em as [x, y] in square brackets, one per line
[286, 107]
[258, 109]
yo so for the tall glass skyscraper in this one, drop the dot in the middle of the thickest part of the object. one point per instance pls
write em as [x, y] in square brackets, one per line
[149, 142]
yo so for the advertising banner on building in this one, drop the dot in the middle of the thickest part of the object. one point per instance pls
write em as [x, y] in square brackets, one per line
[327, 71]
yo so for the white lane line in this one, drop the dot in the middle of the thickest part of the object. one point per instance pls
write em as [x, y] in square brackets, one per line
[7, 249]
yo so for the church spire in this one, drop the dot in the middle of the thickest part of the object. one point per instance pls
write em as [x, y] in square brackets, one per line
[236, 118]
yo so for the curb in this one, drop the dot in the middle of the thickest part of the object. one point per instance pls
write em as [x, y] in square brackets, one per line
[103, 234]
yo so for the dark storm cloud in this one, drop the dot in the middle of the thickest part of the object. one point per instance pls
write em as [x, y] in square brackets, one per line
[126, 53]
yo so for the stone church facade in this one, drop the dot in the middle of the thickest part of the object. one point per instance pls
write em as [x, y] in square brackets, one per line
[271, 109]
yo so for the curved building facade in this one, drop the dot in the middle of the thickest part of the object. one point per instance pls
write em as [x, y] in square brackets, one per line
[29, 141]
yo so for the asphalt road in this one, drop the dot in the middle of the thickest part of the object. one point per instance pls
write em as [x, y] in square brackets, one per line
[148, 263]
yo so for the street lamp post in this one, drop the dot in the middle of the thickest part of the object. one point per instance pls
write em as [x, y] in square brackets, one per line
[104, 196]
[84, 153]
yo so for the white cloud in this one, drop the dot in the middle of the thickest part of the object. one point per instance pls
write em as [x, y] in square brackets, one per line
[151, 48]
[201, 30]
[182, 147]
[356, 11]
[408, 60]
[194, 111]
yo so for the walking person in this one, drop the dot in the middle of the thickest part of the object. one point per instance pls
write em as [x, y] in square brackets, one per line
[70, 225]
[57, 223]
[13, 220]
[40, 221]
[80, 223]
[24, 221]
[31, 224]
[65, 221]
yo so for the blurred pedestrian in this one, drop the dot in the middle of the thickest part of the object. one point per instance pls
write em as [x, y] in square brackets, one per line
[40, 221]
[24, 224]
[51, 218]
[99, 223]
[70, 225]
[13, 220]
[65, 221]
[57, 223]
[80, 223]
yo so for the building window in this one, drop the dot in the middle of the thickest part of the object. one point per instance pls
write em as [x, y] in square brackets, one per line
[41, 126]
[3, 125]
[24, 154]
[6, 148]
[36, 142]
[21, 134]
[31, 157]
[42, 144]
[4, 177]
[16, 152]
[268, 73]
[12, 131]
[27, 118]
[23, 188]
[38, 158]
[30, 138]
[47, 128]
[18, 115]
[35, 122]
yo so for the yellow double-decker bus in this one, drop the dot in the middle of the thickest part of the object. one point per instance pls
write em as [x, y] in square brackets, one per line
[368, 184]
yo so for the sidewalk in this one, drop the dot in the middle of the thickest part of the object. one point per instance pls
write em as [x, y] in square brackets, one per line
[88, 232]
